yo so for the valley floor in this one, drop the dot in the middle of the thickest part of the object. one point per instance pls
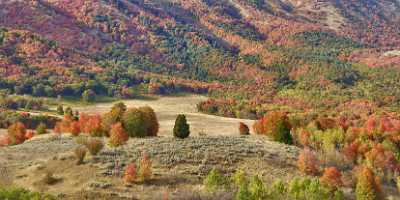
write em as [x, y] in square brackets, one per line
[167, 108]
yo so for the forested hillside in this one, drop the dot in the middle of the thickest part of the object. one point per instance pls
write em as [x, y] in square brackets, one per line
[251, 56]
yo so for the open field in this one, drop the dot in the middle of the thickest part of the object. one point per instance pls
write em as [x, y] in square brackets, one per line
[167, 108]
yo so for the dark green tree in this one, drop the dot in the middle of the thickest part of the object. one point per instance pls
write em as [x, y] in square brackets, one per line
[181, 128]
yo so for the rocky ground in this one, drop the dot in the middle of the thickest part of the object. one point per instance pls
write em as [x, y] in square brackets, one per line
[178, 165]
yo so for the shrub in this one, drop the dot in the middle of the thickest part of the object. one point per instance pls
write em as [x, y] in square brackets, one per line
[49, 178]
[275, 125]
[41, 129]
[118, 135]
[239, 178]
[94, 146]
[307, 162]
[214, 181]
[22, 194]
[332, 178]
[257, 188]
[181, 128]
[243, 129]
[80, 153]
[60, 110]
[145, 168]
[16, 133]
[130, 173]
[88, 96]
[368, 186]
[311, 189]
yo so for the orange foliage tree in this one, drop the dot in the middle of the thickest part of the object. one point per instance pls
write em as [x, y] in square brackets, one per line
[332, 178]
[118, 135]
[307, 162]
[16, 133]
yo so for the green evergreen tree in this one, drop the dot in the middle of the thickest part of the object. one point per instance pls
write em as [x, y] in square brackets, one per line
[181, 128]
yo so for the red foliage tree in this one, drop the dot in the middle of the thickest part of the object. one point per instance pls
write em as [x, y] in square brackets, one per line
[75, 128]
[130, 174]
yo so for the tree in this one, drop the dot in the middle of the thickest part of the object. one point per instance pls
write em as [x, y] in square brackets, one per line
[75, 128]
[135, 123]
[118, 135]
[332, 178]
[243, 129]
[16, 133]
[181, 128]
[114, 116]
[368, 186]
[88, 96]
[275, 125]
[152, 120]
[130, 173]
[307, 162]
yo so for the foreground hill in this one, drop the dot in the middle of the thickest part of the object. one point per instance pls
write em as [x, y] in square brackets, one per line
[297, 55]
[178, 165]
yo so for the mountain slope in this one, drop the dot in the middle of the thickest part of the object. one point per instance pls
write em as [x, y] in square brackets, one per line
[285, 51]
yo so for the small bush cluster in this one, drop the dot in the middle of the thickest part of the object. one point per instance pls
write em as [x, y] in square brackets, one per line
[142, 174]
[22, 194]
[254, 188]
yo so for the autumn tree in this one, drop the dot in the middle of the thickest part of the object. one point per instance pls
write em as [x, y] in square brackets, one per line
[368, 186]
[332, 178]
[181, 128]
[130, 174]
[118, 135]
[145, 168]
[151, 119]
[307, 162]
[113, 116]
[16, 133]
[75, 128]
[275, 125]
